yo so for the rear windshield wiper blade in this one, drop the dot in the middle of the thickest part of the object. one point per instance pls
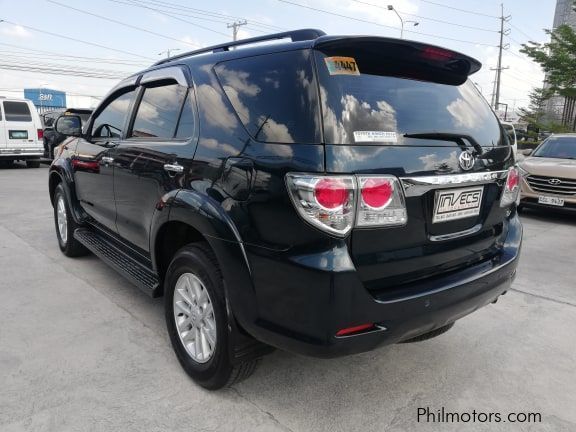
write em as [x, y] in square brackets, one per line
[459, 139]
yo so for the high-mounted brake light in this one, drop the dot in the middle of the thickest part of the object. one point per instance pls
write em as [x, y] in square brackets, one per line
[336, 204]
[434, 53]
[511, 187]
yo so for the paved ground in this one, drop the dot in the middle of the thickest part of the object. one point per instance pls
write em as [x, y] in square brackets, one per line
[82, 350]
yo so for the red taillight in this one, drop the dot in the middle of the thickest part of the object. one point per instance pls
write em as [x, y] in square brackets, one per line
[331, 193]
[434, 53]
[511, 187]
[377, 193]
[40, 133]
[356, 329]
[513, 179]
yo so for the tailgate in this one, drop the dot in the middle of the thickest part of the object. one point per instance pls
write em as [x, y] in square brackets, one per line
[408, 109]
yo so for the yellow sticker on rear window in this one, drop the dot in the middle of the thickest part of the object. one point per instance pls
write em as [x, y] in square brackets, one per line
[341, 66]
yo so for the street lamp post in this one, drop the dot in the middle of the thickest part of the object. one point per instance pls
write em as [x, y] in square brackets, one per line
[402, 22]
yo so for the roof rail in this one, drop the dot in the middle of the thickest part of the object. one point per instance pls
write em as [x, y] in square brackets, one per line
[295, 35]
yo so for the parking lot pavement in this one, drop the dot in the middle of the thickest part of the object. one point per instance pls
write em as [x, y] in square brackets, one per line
[83, 350]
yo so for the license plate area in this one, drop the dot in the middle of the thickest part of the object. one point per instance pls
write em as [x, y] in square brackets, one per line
[550, 200]
[454, 204]
[18, 134]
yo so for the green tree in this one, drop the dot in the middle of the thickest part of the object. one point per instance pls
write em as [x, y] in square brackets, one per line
[534, 113]
[558, 60]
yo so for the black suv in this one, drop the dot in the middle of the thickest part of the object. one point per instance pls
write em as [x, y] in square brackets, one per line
[324, 195]
[52, 138]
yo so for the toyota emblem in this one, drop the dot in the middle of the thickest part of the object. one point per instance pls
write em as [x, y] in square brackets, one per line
[466, 160]
[554, 181]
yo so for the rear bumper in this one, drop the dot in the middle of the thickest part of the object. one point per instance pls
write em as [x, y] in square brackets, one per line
[303, 301]
[22, 153]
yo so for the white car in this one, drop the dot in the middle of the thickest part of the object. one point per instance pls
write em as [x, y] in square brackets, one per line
[21, 132]
[509, 129]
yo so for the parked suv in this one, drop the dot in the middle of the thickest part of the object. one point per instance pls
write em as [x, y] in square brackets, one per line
[324, 195]
[52, 139]
[20, 132]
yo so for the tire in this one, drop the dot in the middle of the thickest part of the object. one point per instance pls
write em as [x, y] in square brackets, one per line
[34, 163]
[194, 275]
[430, 335]
[65, 226]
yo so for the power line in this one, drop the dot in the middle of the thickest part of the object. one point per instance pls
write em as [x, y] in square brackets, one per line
[380, 25]
[26, 55]
[77, 40]
[131, 3]
[103, 60]
[18, 90]
[108, 19]
[460, 10]
[224, 17]
[430, 19]
[18, 60]
[56, 71]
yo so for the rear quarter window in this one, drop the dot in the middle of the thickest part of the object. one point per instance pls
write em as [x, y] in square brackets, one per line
[274, 96]
[17, 111]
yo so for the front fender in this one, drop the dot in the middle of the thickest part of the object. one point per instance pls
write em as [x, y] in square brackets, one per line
[208, 217]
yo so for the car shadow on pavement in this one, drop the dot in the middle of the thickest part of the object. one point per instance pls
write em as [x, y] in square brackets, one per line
[553, 216]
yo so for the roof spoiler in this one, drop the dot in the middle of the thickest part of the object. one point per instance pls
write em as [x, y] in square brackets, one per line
[456, 66]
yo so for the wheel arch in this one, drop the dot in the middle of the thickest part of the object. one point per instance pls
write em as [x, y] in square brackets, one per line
[194, 216]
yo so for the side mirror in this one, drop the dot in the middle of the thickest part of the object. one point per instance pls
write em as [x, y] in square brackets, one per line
[527, 152]
[69, 125]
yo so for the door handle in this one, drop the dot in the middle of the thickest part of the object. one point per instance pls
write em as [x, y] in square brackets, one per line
[174, 168]
[107, 159]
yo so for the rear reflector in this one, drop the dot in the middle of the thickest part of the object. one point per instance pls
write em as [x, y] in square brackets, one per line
[356, 329]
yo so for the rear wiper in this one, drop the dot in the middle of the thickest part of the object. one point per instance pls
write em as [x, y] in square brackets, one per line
[459, 139]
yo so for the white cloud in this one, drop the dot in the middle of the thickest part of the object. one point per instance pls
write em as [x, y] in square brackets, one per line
[14, 31]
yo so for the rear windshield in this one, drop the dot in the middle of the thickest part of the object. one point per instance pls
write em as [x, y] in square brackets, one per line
[17, 111]
[368, 101]
[561, 148]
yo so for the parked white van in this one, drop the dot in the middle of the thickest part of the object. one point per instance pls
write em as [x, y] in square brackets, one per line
[21, 132]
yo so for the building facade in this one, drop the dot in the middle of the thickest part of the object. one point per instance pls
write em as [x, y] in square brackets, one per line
[558, 109]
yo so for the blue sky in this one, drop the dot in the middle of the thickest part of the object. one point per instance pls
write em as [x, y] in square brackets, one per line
[176, 25]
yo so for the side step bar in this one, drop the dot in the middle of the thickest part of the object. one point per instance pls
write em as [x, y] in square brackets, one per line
[141, 276]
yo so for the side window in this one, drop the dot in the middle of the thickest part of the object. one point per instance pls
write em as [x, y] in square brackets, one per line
[110, 121]
[158, 112]
[187, 119]
[274, 96]
[17, 111]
